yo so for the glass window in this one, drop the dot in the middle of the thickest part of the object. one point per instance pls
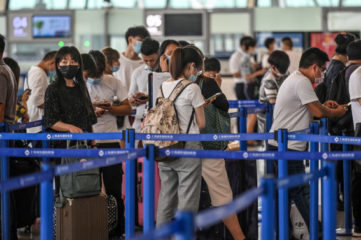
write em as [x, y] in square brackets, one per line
[180, 4]
[351, 3]
[155, 3]
[328, 3]
[300, 3]
[96, 4]
[264, 3]
[21, 4]
[219, 4]
[77, 4]
[55, 4]
[126, 3]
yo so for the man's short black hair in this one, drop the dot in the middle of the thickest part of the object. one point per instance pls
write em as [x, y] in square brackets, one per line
[49, 56]
[287, 41]
[313, 56]
[268, 42]
[2, 45]
[354, 50]
[149, 47]
[212, 64]
[139, 31]
[280, 60]
[247, 42]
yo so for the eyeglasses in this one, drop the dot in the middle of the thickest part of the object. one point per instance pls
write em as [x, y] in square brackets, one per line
[322, 69]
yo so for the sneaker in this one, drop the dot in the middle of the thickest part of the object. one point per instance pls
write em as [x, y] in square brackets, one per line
[356, 231]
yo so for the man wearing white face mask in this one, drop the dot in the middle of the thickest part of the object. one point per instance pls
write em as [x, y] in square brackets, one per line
[296, 105]
[130, 60]
[271, 82]
[138, 91]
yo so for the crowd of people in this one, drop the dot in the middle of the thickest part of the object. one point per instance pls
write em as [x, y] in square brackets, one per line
[96, 92]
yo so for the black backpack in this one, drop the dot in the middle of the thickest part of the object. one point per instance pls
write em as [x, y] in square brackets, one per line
[339, 93]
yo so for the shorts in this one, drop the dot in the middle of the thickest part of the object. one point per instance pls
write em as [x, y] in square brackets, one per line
[215, 175]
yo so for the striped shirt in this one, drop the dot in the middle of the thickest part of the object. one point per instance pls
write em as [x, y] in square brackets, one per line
[268, 90]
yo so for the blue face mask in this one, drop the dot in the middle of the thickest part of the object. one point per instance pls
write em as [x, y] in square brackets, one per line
[193, 78]
[137, 47]
[115, 69]
[93, 81]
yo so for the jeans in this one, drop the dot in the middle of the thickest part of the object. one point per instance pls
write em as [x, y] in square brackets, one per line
[300, 195]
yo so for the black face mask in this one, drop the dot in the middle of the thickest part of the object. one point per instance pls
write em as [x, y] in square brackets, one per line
[69, 71]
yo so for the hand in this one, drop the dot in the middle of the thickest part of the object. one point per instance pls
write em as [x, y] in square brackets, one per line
[136, 101]
[26, 95]
[331, 104]
[73, 129]
[340, 110]
[99, 112]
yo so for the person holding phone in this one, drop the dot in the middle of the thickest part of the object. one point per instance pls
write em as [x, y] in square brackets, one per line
[138, 91]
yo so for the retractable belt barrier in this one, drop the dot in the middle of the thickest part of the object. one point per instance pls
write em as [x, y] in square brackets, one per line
[185, 223]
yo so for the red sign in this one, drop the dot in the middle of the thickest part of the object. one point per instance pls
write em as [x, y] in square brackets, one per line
[325, 42]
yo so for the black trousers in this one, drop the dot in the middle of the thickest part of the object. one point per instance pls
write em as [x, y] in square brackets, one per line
[300, 194]
[112, 177]
[356, 193]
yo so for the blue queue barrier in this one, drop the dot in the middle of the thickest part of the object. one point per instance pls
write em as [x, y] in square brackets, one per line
[283, 211]
[347, 192]
[5, 197]
[249, 155]
[314, 166]
[130, 168]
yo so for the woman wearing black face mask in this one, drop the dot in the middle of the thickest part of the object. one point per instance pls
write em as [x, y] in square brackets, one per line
[67, 106]
[67, 103]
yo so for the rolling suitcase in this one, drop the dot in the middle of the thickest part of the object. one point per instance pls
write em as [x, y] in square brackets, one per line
[82, 218]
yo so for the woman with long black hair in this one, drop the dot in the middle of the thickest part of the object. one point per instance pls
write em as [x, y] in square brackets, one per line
[67, 103]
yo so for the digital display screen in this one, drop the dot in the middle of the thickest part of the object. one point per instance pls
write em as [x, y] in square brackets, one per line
[183, 24]
[51, 26]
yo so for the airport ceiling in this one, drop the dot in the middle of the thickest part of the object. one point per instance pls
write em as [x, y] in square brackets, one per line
[165, 4]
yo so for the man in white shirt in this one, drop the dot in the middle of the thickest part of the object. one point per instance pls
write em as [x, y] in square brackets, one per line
[296, 105]
[130, 60]
[295, 56]
[138, 92]
[38, 81]
[270, 44]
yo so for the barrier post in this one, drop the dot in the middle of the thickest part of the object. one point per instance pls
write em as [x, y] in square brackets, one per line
[329, 208]
[268, 208]
[148, 189]
[347, 192]
[283, 212]
[324, 148]
[314, 187]
[269, 119]
[243, 127]
[186, 226]
[5, 197]
[129, 186]
[46, 201]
